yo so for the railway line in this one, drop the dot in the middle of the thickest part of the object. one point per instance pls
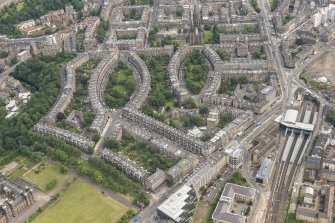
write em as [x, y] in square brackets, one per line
[288, 162]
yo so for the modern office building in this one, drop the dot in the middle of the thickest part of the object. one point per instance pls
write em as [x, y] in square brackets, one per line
[179, 206]
[265, 172]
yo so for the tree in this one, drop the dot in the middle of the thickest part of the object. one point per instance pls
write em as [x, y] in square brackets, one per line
[189, 103]
[203, 110]
[96, 138]
[299, 41]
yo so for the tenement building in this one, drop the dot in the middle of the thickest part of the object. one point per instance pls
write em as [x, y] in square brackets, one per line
[13, 199]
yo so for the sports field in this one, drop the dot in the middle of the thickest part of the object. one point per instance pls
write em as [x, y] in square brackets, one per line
[47, 176]
[80, 202]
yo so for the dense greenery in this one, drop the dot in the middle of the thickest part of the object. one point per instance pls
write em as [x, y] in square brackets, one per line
[225, 119]
[299, 42]
[3, 54]
[95, 169]
[273, 4]
[107, 175]
[225, 56]
[196, 71]
[102, 30]
[331, 119]
[141, 2]
[146, 156]
[258, 55]
[245, 30]
[237, 178]
[41, 76]
[80, 37]
[211, 35]
[51, 185]
[287, 18]
[203, 110]
[189, 103]
[161, 94]
[256, 6]
[127, 216]
[193, 120]
[81, 94]
[228, 86]
[31, 9]
[120, 86]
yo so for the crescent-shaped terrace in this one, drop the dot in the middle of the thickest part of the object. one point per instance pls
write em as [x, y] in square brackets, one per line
[96, 88]
[142, 75]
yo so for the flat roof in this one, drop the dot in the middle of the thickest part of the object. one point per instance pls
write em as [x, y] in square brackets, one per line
[299, 125]
[265, 170]
[290, 116]
[221, 211]
[200, 175]
[267, 89]
[173, 206]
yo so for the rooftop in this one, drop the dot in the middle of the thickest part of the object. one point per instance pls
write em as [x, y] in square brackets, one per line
[267, 90]
[173, 206]
[221, 211]
[265, 170]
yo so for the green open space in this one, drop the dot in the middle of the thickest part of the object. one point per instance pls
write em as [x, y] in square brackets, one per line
[145, 156]
[273, 4]
[155, 42]
[47, 176]
[102, 30]
[207, 37]
[246, 30]
[211, 35]
[316, 85]
[80, 96]
[196, 71]
[225, 56]
[256, 6]
[141, 2]
[24, 165]
[80, 202]
[161, 94]
[41, 76]
[19, 6]
[80, 37]
[238, 179]
[3, 54]
[228, 86]
[201, 212]
[258, 55]
[120, 86]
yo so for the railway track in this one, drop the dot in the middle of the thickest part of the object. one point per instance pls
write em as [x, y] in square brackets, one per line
[289, 162]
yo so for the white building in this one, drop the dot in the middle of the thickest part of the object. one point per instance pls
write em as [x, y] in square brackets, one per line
[234, 152]
[309, 193]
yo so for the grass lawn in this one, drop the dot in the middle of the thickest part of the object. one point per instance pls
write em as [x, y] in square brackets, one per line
[180, 42]
[20, 6]
[208, 36]
[201, 212]
[45, 174]
[25, 165]
[79, 202]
